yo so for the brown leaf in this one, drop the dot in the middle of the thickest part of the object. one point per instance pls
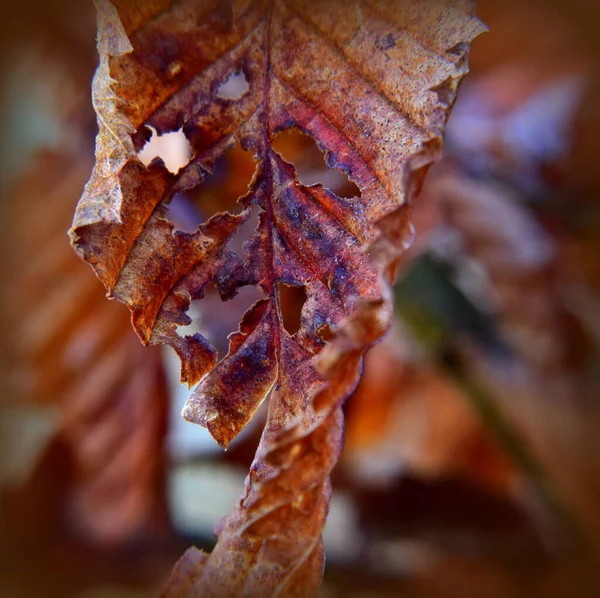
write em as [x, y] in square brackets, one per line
[406, 414]
[522, 271]
[72, 349]
[371, 82]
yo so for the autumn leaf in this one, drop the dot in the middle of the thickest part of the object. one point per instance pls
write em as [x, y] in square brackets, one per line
[76, 370]
[371, 82]
[73, 365]
[523, 279]
[404, 395]
[75, 351]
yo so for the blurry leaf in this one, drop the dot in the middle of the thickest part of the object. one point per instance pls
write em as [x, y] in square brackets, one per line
[45, 73]
[408, 417]
[518, 127]
[522, 285]
[371, 82]
[443, 320]
[103, 467]
[426, 289]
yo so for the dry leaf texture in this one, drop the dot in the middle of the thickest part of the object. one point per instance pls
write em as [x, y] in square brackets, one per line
[372, 83]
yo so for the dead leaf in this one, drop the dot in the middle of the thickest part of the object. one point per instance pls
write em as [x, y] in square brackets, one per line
[407, 415]
[523, 285]
[71, 349]
[372, 83]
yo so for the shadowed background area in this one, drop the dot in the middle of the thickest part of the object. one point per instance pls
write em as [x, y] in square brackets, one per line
[471, 464]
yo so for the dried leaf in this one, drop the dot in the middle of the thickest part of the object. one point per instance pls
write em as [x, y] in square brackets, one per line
[371, 82]
[523, 280]
[76, 351]
[408, 415]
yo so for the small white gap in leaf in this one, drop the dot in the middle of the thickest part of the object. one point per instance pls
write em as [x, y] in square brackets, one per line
[234, 87]
[172, 148]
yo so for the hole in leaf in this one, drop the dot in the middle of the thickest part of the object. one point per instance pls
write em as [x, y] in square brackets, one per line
[172, 148]
[216, 319]
[325, 333]
[244, 232]
[183, 213]
[302, 151]
[234, 87]
[291, 300]
[228, 181]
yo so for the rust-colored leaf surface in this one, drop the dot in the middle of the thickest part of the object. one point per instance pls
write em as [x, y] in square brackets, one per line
[371, 82]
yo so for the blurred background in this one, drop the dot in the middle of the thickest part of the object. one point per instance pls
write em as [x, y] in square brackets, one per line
[471, 466]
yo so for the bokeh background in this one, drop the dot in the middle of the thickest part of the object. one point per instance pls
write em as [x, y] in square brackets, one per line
[471, 465]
